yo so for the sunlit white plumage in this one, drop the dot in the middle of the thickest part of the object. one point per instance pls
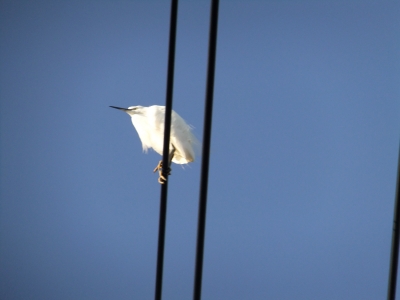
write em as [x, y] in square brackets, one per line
[149, 124]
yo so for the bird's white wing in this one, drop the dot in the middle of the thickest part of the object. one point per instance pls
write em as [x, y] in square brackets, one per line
[183, 140]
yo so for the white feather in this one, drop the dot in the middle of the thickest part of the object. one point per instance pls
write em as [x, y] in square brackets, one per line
[149, 124]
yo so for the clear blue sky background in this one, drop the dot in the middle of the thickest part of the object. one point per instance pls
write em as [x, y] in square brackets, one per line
[303, 158]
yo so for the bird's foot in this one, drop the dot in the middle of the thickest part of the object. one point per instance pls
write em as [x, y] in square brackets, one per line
[159, 167]
[161, 179]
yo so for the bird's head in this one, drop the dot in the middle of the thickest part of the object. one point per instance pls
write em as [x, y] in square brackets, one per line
[131, 110]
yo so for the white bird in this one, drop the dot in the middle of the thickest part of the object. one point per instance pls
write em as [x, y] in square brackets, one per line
[149, 124]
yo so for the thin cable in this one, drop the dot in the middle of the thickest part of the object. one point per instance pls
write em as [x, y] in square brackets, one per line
[167, 131]
[212, 49]
[394, 257]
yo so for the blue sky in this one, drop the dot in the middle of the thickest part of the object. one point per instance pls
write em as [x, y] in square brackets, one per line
[303, 157]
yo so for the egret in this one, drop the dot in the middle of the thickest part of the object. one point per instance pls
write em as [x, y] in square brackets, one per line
[149, 124]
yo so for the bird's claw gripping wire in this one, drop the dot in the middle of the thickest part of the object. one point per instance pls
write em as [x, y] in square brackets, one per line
[161, 179]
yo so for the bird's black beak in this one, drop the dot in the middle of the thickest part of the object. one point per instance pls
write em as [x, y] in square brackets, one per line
[120, 108]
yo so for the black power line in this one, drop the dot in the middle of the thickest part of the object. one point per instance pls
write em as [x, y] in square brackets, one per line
[167, 131]
[394, 257]
[212, 49]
